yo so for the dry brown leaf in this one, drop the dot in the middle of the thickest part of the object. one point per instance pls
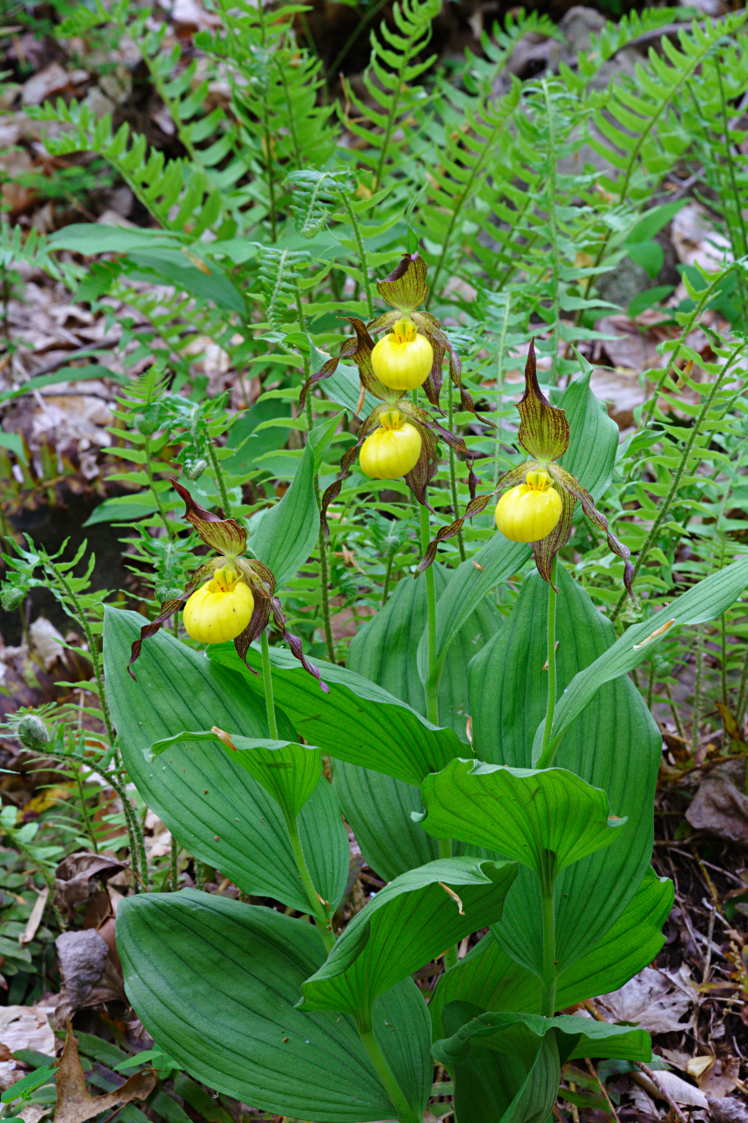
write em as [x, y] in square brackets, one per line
[718, 1076]
[680, 1091]
[75, 1104]
[720, 805]
[53, 79]
[23, 1027]
[696, 240]
[80, 876]
[659, 1001]
[35, 917]
[727, 1110]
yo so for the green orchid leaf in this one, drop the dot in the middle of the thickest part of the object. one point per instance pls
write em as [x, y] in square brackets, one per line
[289, 772]
[704, 601]
[409, 922]
[614, 745]
[215, 983]
[519, 1034]
[285, 536]
[593, 436]
[210, 803]
[505, 1088]
[490, 979]
[377, 806]
[355, 721]
[518, 812]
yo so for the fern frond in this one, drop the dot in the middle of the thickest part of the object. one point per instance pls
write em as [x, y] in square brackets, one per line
[384, 120]
[177, 194]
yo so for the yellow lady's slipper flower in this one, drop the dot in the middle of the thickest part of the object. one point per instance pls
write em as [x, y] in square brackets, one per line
[220, 609]
[403, 358]
[529, 511]
[392, 450]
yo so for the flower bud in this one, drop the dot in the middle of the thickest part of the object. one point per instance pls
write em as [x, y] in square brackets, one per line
[193, 469]
[402, 359]
[32, 733]
[529, 511]
[392, 450]
[220, 609]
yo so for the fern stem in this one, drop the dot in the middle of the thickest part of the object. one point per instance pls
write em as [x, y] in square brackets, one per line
[138, 858]
[361, 250]
[500, 348]
[220, 481]
[152, 485]
[734, 195]
[324, 570]
[704, 299]
[453, 468]
[664, 510]
[551, 192]
[93, 650]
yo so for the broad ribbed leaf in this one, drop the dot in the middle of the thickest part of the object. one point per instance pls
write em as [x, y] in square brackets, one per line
[593, 443]
[490, 979]
[378, 807]
[613, 745]
[704, 601]
[285, 535]
[384, 649]
[215, 983]
[519, 1034]
[511, 1088]
[590, 457]
[211, 804]
[410, 922]
[355, 721]
[289, 772]
[518, 812]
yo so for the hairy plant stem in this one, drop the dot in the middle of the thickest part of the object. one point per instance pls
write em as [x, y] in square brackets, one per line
[93, 650]
[453, 468]
[431, 684]
[398, 1098]
[138, 858]
[664, 510]
[550, 972]
[324, 569]
[154, 490]
[361, 249]
[548, 750]
[220, 482]
[316, 907]
[267, 684]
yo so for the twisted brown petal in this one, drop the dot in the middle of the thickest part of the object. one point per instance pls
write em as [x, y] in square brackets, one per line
[543, 428]
[570, 484]
[406, 286]
[227, 536]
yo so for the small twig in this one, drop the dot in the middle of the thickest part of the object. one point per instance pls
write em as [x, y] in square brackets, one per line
[646, 1078]
[593, 1072]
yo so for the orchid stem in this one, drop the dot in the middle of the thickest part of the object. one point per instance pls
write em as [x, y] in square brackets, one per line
[548, 750]
[398, 1099]
[316, 906]
[550, 973]
[431, 685]
[267, 683]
